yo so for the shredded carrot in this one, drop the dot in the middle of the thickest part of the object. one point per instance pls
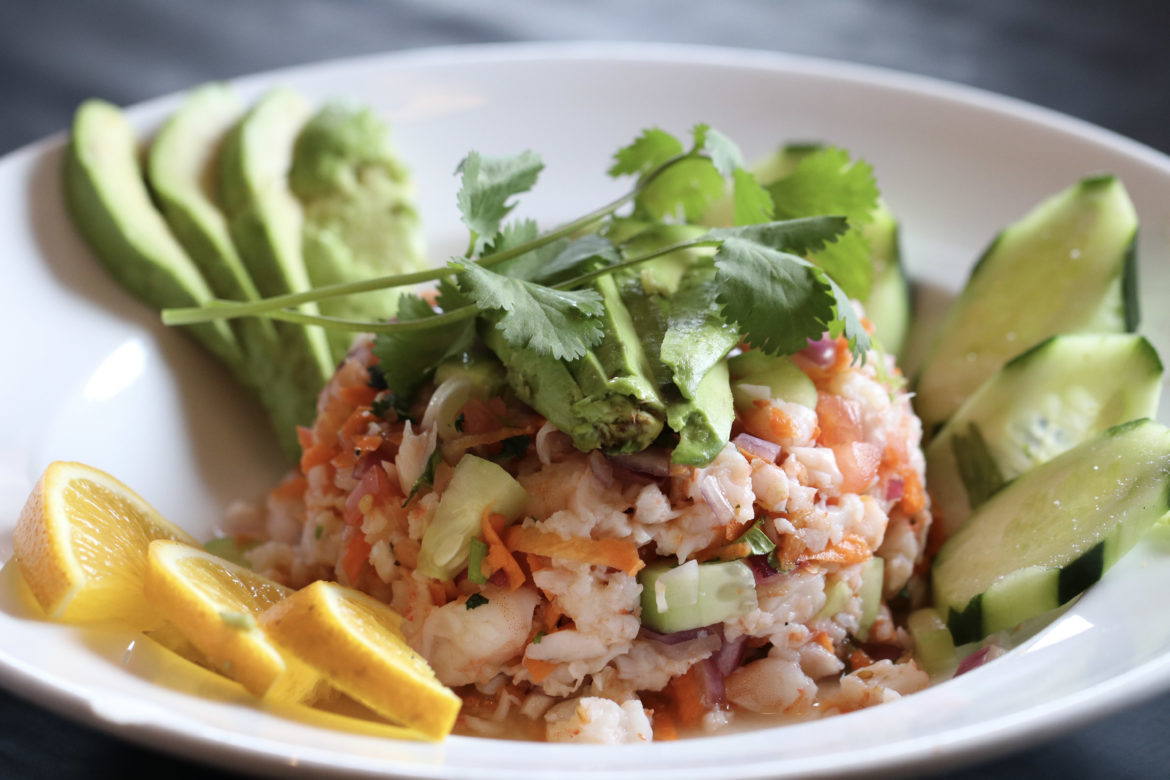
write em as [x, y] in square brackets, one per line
[291, 488]
[357, 553]
[913, 498]
[481, 416]
[685, 691]
[720, 551]
[790, 550]
[859, 659]
[822, 639]
[850, 550]
[358, 395]
[664, 729]
[457, 447]
[316, 455]
[538, 669]
[438, 592]
[498, 557]
[615, 553]
[552, 613]
[358, 419]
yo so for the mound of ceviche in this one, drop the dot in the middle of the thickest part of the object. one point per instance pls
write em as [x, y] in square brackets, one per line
[633, 476]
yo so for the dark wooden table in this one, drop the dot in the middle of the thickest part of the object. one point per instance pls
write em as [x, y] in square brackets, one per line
[1108, 63]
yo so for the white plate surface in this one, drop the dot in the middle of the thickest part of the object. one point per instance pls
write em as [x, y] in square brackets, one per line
[90, 375]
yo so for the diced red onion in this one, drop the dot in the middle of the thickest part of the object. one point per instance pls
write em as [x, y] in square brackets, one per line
[717, 502]
[677, 637]
[370, 459]
[761, 448]
[600, 468]
[711, 683]
[654, 462]
[762, 570]
[895, 488]
[976, 659]
[730, 655]
[823, 351]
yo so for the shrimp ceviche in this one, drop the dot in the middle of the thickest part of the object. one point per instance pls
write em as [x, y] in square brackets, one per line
[636, 477]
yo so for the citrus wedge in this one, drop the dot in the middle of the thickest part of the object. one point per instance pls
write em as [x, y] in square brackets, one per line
[214, 604]
[81, 542]
[355, 643]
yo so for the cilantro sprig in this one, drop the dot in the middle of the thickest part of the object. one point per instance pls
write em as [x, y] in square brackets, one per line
[535, 287]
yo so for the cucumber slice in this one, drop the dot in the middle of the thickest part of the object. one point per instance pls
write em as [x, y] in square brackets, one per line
[1061, 392]
[890, 304]
[873, 574]
[477, 486]
[934, 648]
[1066, 267]
[694, 595]
[1054, 531]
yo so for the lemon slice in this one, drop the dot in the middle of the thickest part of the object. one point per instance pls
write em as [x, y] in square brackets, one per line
[81, 543]
[214, 604]
[355, 643]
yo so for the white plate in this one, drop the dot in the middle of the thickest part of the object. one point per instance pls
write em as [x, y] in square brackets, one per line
[90, 375]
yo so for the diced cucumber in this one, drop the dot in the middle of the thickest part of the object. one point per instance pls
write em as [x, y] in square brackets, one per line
[934, 647]
[836, 599]
[695, 594]
[776, 372]
[1054, 531]
[873, 574]
[1066, 267]
[477, 487]
[1059, 393]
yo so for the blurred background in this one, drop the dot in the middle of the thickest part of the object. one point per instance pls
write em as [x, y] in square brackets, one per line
[1108, 63]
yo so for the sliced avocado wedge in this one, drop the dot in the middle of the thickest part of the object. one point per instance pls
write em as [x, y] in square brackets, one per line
[265, 220]
[1066, 267]
[184, 171]
[360, 214]
[111, 207]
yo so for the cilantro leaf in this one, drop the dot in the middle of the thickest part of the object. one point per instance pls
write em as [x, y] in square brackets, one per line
[846, 322]
[560, 323]
[407, 359]
[649, 150]
[689, 186]
[512, 235]
[487, 185]
[560, 260]
[757, 541]
[752, 202]
[725, 155]
[847, 261]
[827, 182]
[798, 236]
[476, 600]
[777, 300]
[696, 336]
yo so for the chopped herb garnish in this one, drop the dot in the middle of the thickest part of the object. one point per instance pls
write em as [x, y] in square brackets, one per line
[476, 600]
[758, 541]
[514, 447]
[475, 559]
[318, 531]
[427, 478]
[539, 636]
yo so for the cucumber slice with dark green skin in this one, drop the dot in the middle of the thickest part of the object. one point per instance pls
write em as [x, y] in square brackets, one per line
[1066, 267]
[111, 207]
[1054, 531]
[1061, 392]
[681, 598]
[890, 304]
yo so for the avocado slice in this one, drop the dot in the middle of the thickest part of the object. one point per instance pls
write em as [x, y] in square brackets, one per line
[360, 214]
[111, 207]
[703, 422]
[183, 170]
[265, 222]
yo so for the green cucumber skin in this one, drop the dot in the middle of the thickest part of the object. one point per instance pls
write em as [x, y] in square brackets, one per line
[1064, 267]
[1028, 588]
[1066, 388]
